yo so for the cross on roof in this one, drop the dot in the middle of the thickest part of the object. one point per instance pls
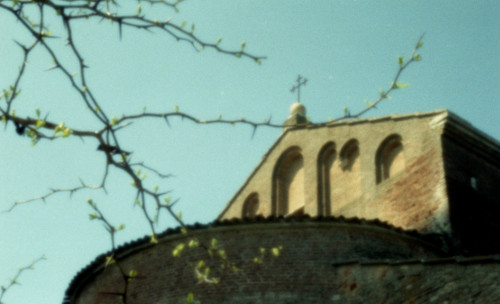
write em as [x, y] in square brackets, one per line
[300, 82]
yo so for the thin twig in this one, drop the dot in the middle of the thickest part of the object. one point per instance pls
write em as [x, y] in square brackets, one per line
[15, 280]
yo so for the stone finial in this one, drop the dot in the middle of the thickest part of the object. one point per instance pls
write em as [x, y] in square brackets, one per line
[297, 109]
[297, 115]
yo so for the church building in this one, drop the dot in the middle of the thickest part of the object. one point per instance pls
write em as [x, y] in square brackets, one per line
[393, 209]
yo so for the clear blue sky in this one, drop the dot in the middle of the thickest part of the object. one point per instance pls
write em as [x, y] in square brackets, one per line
[347, 50]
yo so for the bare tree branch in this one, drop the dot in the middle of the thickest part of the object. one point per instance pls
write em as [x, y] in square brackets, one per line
[15, 279]
[52, 192]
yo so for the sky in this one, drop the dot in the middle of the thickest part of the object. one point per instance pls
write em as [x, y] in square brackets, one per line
[347, 50]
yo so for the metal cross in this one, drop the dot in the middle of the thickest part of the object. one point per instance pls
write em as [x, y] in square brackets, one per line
[300, 82]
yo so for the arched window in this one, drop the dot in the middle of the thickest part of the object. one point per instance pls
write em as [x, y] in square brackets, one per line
[288, 184]
[349, 155]
[390, 158]
[347, 185]
[339, 177]
[326, 159]
[251, 206]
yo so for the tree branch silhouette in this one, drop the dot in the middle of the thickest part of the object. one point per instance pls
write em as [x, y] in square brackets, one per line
[106, 134]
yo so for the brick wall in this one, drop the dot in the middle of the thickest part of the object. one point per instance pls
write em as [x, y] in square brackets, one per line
[414, 198]
[305, 272]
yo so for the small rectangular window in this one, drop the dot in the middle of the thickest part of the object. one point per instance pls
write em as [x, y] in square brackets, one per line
[473, 182]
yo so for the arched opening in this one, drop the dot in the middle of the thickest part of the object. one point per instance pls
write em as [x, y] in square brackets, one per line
[251, 206]
[390, 158]
[326, 159]
[349, 156]
[288, 184]
[347, 175]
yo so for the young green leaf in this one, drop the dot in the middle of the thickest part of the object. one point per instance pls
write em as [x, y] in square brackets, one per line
[193, 243]
[178, 250]
[200, 264]
[153, 239]
[419, 44]
[402, 85]
[190, 298]
[222, 254]
[66, 132]
[132, 273]
[39, 124]
[346, 111]
[401, 61]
